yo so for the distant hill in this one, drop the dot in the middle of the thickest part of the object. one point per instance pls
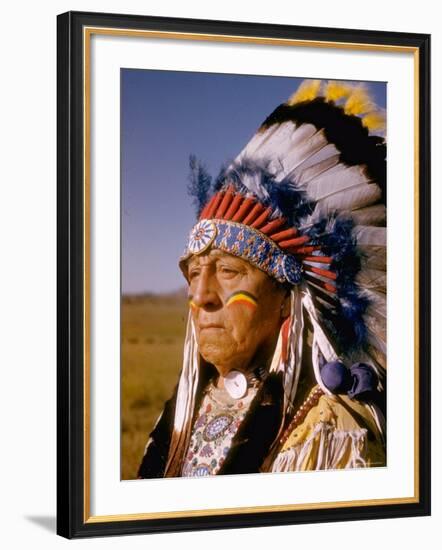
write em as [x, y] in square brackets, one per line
[179, 295]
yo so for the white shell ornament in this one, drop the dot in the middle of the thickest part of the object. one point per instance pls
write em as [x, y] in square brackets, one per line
[201, 236]
[236, 384]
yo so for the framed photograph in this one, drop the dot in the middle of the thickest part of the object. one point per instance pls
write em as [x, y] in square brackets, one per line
[243, 274]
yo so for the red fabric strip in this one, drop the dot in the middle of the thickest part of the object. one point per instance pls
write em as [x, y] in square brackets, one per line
[272, 226]
[243, 209]
[214, 206]
[233, 207]
[324, 273]
[294, 242]
[260, 220]
[219, 214]
[283, 235]
[256, 211]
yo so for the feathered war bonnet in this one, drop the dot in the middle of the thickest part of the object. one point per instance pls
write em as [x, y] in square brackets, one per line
[304, 201]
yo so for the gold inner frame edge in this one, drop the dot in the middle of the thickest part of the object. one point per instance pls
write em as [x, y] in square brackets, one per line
[87, 33]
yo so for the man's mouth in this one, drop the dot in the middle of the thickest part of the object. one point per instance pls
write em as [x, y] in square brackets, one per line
[204, 326]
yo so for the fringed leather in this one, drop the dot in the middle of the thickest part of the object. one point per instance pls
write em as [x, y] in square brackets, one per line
[325, 449]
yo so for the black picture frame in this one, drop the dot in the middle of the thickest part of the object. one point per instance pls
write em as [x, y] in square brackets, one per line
[72, 509]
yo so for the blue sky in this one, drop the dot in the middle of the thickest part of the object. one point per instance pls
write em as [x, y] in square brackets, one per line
[165, 117]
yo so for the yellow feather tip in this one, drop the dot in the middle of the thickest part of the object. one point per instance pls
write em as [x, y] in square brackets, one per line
[357, 99]
[374, 120]
[308, 90]
[358, 102]
[334, 91]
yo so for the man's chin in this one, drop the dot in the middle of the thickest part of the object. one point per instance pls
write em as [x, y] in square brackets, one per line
[219, 354]
[215, 358]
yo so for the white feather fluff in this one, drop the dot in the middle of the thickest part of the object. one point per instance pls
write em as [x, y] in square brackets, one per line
[371, 215]
[372, 279]
[370, 236]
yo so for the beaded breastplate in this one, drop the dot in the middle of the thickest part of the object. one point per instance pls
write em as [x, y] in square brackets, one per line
[218, 420]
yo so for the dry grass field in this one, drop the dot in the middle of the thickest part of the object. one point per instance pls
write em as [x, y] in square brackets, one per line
[153, 328]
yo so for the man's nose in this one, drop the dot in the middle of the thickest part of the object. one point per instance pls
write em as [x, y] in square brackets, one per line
[205, 292]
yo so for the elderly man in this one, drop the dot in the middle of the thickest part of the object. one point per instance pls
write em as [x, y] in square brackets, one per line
[237, 311]
[285, 348]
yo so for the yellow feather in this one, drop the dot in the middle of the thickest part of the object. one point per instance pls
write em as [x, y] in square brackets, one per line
[336, 90]
[308, 90]
[374, 120]
[358, 102]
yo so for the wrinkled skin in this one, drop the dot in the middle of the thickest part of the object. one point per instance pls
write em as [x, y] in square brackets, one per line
[238, 335]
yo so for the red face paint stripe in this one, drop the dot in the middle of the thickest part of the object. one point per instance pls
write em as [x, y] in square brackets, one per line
[243, 303]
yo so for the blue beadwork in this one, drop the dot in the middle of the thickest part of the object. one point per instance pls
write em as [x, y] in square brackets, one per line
[292, 270]
[255, 247]
[217, 426]
[201, 470]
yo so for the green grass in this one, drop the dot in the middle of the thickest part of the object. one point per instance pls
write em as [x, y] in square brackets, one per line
[153, 329]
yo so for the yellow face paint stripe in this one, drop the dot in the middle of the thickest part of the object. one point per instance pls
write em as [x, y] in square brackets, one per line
[242, 297]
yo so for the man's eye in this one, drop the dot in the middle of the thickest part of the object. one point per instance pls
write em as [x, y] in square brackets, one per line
[193, 273]
[228, 271]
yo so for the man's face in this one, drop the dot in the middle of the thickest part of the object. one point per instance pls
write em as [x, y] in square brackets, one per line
[237, 310]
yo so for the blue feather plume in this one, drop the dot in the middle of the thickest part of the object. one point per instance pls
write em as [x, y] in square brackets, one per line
[199, 184]
[334, 235]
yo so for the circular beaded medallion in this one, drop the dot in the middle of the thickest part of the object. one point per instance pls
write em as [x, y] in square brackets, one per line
[217, 426]
[201, 236]
[292, 269]
[201, 470]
